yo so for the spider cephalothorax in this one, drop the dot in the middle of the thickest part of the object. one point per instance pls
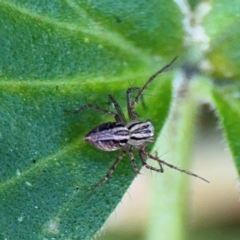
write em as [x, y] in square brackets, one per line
[125, 135]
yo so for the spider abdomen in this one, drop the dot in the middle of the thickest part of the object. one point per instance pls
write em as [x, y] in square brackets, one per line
[108, 136]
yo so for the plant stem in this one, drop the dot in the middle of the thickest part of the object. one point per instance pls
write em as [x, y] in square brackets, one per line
[169, 203]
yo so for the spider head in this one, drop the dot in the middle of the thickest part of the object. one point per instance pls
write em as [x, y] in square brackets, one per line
[140, 132]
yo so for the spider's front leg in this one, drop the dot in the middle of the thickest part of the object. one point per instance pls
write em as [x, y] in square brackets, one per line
[144, 162]
[145, 86]
[170, 165]
[131, 111]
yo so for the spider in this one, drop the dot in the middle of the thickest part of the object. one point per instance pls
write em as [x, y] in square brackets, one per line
[125, 135]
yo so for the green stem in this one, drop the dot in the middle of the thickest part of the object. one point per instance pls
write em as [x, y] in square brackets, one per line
[169, 191]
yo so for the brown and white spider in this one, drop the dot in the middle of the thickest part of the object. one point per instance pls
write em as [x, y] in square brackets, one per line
[125, 135]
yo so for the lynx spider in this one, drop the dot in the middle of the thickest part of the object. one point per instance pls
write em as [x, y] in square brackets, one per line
[125, 135]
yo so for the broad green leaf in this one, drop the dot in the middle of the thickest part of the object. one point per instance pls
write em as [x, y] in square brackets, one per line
[227, 100]
[222, 27]
[58, 55]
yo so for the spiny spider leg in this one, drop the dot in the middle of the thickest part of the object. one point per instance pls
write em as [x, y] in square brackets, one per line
[108, 174]
[170, 165]
[120, 114]
[144, 105]
[131, 111]
[149, 81]
[130, 90]
[134, 165]
[95, 107]
[160, 165]
[144, 163]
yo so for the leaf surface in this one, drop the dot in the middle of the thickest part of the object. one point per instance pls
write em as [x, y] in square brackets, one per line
[58, 55]
[227, 100]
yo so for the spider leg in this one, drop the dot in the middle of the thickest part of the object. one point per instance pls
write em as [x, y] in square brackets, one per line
[141, 91]
[133, 162]
[108, 174]
[144, 105]
[144, 163]
[120, 114]
[95, 107]
[170, 165]
[131, 111]
[160, 165]
[129, 96]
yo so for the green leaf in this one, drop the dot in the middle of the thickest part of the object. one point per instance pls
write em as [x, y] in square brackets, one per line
[227, 100]
[58, 55]
[221, 25]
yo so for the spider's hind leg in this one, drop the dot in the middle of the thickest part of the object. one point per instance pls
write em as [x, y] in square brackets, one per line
[108, 174]
[94, 107]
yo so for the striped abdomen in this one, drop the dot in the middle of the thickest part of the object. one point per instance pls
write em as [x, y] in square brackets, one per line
[108, 136]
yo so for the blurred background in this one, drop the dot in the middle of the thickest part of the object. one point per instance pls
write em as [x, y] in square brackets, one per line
[214, 211]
